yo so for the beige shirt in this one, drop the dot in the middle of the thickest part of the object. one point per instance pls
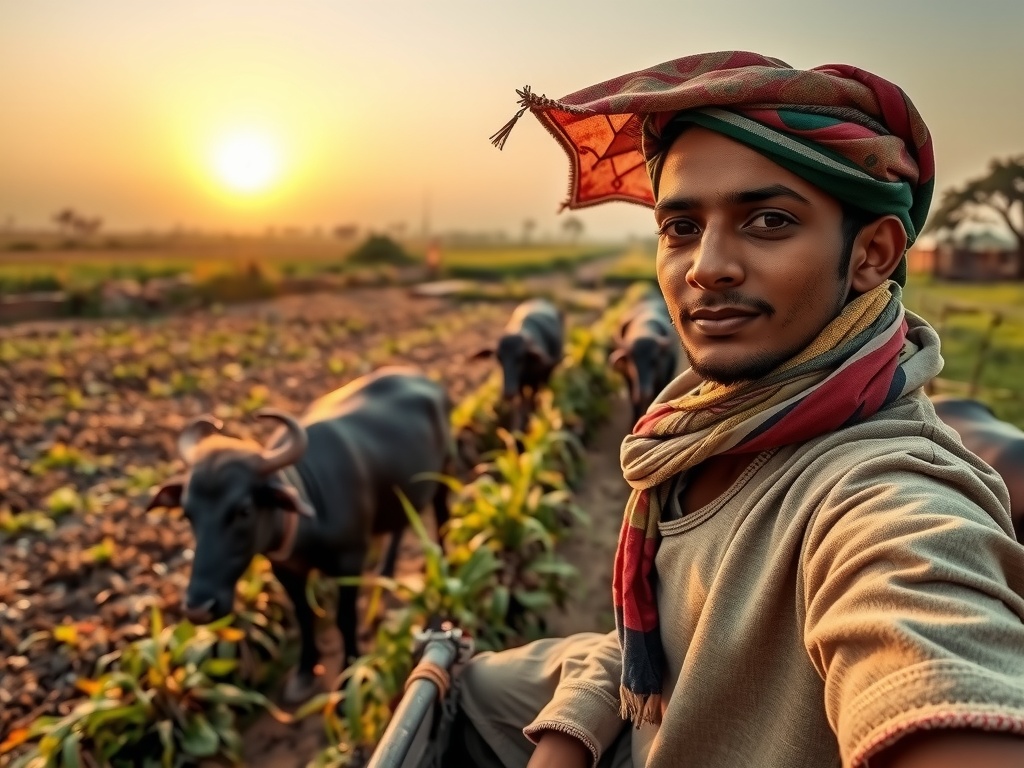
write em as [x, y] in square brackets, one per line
[841, 593]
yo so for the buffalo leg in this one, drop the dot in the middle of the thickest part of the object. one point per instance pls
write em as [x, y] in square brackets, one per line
[531, 406]
[300, 687]
[346, 620]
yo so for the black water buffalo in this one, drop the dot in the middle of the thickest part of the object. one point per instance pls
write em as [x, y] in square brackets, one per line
[313, 498]
[530, 347]
[998, 443]
[645, 351]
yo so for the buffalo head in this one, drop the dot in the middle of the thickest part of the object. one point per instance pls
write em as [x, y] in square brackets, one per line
[236, 504]
[643, 362]
[516, 354]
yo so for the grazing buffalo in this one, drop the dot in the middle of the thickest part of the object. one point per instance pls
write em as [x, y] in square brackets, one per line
[324, 486]
[645, 351]
[530, 347]
[996, 442]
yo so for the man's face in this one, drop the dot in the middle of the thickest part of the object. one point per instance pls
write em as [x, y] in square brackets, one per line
[748, 256]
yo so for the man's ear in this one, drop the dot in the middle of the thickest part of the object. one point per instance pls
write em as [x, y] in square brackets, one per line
[877, 251]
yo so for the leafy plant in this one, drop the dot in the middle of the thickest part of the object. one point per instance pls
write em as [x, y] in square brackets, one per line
[163, 700]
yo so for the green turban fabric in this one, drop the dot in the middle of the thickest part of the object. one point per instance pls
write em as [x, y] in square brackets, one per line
[852, 134]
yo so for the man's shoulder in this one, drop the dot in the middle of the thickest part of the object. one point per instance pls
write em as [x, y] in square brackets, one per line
[905, 443]
[901, 455]
[908, 425]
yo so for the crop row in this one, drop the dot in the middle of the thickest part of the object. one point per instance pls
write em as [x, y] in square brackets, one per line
[498, 570]
[178, 691]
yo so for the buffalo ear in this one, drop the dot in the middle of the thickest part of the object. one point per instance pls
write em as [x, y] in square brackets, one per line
[277, 495]
[618, 360]
[482, 354]
[169, 494]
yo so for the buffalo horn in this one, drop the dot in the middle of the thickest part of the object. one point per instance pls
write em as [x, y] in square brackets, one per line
[290, 450]
[194, 433]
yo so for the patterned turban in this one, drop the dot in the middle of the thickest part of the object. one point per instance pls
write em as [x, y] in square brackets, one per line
[852, 134]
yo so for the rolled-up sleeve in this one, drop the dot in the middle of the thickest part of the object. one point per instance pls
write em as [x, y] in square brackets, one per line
[586, 701]
[912, 596]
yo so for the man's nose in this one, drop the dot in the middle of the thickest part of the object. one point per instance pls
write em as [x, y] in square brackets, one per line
[716, 265]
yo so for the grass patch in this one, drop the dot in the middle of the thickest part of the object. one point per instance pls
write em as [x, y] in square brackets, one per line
[635, 264]
[504, 262]
[1002, 368]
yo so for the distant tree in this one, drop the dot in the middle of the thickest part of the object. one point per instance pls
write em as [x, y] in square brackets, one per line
[88, 227]
[65, 220]
[997, 195]
[380, 249]
[573, 228]
[73, 223]
[529, 225]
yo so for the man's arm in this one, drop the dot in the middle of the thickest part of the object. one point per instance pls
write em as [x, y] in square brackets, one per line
[953, 749]
[559, 750]
[914, 599]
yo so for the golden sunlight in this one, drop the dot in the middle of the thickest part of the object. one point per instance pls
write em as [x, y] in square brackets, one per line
[247, 162]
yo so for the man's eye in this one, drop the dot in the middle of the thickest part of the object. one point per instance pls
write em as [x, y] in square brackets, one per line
[679, 228]
[771, 220]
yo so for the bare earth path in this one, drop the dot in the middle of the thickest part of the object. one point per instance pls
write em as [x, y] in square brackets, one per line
[603, 495]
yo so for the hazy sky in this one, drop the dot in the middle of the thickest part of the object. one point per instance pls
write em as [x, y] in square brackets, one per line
[114, 107]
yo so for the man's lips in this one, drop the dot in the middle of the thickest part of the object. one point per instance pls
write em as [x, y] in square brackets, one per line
[721, 321]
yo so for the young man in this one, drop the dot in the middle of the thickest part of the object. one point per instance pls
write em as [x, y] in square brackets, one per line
[812, 570]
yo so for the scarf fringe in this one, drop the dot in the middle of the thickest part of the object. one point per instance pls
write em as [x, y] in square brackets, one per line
[639, 708]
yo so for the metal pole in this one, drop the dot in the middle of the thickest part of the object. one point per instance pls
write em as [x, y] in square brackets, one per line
[415, 706]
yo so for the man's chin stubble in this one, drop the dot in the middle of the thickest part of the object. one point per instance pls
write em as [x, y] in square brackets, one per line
[755, 368]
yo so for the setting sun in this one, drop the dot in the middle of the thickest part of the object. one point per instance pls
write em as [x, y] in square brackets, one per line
[247, 162]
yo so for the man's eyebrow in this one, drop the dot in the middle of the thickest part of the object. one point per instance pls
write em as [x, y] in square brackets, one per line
[745, 197]
[766, 193]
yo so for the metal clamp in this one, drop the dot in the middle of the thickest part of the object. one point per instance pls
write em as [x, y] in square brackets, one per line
[464, 645]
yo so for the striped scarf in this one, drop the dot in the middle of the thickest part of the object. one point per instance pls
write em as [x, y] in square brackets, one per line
[850, 371]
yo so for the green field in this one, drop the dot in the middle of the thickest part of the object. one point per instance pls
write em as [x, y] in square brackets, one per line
[637, 263]
[518, 261]
[1001, 375]
[41, 264]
